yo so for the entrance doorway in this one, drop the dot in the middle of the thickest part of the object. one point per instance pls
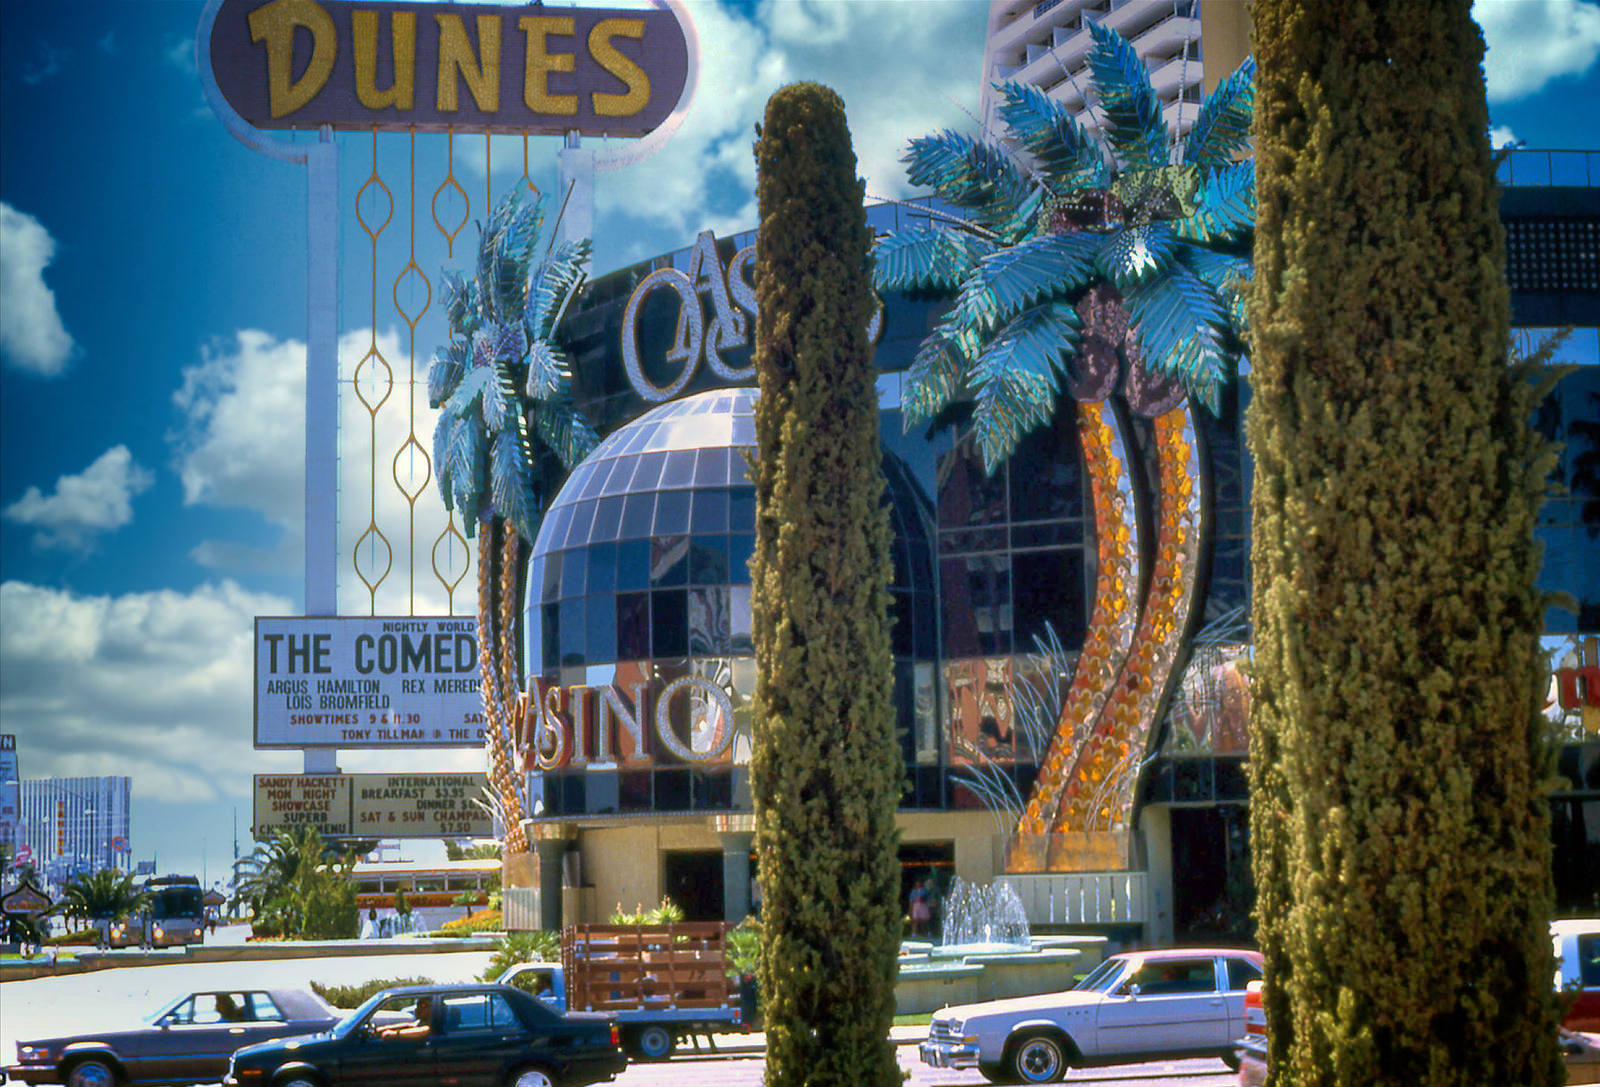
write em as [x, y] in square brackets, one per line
[1212, 887]
[693, 880]
[931, 865]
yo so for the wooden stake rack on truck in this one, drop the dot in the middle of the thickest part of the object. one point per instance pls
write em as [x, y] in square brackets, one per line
[673, 978]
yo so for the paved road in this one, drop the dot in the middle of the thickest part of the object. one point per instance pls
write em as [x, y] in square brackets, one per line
[62, 1005]
[746, 1072]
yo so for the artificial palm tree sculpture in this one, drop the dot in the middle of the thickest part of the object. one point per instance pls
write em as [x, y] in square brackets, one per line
[507, 432]
[1091, 264]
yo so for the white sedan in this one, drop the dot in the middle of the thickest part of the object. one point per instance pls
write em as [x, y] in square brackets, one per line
[1138, 1006]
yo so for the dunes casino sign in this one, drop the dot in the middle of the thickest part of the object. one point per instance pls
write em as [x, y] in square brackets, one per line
[716, 314]
[523, 69]
[626, 724]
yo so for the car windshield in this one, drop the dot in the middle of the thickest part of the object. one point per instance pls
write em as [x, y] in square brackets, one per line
[1102, 977]
[350, 1022]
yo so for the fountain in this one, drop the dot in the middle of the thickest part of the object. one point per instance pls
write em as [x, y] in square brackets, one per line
[987, 952]
[984, 917]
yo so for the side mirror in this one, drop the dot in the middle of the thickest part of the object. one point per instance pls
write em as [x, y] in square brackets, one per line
[1133, 990]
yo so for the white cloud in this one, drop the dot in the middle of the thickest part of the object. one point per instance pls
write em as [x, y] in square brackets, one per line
[1533, 42]
[156, 685]
[242, 446]
[32, 337]
[903, 70]
[98, 500]
[1501, 136]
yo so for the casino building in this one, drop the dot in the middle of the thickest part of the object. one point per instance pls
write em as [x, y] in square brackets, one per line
[637, 622]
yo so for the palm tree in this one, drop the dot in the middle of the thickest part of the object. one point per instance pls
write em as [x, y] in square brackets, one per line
[283, 879]
[104, 895]
[1092, 264]
[507, 432]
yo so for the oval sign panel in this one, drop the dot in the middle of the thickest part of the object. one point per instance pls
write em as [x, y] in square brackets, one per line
[298, 64]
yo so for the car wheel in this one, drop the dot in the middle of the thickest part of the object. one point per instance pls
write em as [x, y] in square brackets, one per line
[299, 1079]
[92, 1073]
[654, 1043]
[1039, 1058]
[531, 1077]
[1231, 1059]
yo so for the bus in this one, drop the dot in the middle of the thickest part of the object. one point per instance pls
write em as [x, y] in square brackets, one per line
[177, 911]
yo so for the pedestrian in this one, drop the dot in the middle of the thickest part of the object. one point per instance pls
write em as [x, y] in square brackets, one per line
[369, 928]
[921, 911]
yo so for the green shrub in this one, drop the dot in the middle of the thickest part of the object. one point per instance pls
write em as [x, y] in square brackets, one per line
[517, 947]
[667, 913]
[353, 996]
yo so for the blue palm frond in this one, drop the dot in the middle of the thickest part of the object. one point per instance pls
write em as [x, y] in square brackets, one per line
[923, 257]
[449, 364]
[510, 475]
[1135, 252]
[1227, 276]
[548, 370]
[564, 430]
[505, 254]
[1069, 157]
[459, 450]
[500, 406]
[1223, 126]
[1012, 279]
[1180, 323]
[1018, 377]
[554, 284]
[1134, 124]
[973, 174]
[459, 297]
[935, 376]
[469, 392]
[1226, 206]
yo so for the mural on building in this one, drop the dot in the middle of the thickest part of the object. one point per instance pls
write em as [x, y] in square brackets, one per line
[1107, 267]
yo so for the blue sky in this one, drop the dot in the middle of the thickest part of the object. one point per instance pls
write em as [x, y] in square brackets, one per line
[152, 325]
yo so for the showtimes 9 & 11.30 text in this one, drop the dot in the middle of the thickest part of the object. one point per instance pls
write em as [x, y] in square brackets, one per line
[367, 682]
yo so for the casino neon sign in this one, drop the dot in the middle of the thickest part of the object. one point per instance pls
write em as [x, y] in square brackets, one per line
[555, 727]
[729, 291]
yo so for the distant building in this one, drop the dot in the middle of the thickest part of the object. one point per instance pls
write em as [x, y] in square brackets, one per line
[76, 825]
[1189, 45]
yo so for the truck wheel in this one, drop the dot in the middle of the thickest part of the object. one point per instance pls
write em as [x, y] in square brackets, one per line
[1039, 1058]
[654, 1043]
[531, 1077]
[92, 1073]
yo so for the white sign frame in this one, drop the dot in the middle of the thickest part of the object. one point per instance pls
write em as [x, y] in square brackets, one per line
[395, 683]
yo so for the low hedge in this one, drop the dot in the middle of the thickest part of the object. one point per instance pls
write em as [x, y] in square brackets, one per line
[353, 996]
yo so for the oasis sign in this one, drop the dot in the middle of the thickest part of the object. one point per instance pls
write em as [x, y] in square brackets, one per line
[480, 68]
[689, 718]
[716, 315]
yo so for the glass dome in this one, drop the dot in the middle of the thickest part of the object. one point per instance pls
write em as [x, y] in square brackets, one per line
[644, 553]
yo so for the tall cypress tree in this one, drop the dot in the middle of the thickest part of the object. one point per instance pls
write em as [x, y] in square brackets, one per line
[1397, 756]
[825, 771]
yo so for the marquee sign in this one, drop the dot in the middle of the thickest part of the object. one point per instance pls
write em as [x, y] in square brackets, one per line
[367, 682]
[288, 64]
[372, 805]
